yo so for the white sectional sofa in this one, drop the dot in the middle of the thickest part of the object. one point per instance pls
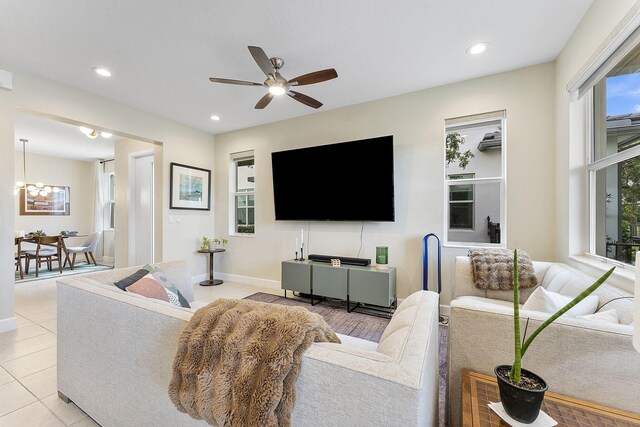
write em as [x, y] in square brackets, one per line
[115, 354]
[585, 359]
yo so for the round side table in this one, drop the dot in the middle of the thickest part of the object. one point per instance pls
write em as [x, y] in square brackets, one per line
[211, 281]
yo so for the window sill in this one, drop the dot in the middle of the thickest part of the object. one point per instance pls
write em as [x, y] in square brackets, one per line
[242, 235]
[473, 245]
[623, 276]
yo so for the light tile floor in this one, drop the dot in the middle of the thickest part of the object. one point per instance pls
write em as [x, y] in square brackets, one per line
[28, 387]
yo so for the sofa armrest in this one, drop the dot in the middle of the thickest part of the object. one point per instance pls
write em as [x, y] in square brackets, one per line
[115, 354]
[578, 358]
[364, 387]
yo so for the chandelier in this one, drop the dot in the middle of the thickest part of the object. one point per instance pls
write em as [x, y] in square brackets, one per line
[34, 190]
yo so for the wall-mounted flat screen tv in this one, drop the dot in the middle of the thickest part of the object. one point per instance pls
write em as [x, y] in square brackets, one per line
[348, 181]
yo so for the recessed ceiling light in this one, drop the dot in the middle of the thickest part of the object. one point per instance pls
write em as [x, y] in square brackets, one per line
[214, 117]
[477, 48]
[102, 71]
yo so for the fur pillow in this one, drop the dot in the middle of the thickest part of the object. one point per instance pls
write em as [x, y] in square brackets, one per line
[493, 269]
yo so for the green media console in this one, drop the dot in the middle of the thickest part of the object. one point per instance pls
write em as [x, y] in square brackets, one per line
[366, 285]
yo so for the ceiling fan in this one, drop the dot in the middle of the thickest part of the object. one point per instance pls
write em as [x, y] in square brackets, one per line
[277, 84]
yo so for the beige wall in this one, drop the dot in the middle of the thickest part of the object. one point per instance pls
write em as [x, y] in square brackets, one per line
[7, 213]
[571, 214]
[76, 174]
[180, 144]
[417, 122]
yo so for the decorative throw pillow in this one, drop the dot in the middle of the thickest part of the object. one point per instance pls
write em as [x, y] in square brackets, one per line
[152, 273]
[550, 302]
[133, 278]
[610, 316]
[149, 287]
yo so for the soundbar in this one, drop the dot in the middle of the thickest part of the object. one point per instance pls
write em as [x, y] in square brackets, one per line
[343, 259]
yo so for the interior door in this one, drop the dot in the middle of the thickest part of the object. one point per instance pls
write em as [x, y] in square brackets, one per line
[142, 204]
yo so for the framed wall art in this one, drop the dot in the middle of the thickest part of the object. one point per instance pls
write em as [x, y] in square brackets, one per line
[55, 202]
[189, 187]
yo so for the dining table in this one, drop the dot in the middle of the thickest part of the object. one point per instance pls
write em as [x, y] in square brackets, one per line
[31, 238]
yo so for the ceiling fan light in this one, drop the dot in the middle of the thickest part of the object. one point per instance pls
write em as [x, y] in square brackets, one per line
[106, 134]
[276, 90]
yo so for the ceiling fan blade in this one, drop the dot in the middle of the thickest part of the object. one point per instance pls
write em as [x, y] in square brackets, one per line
[261, 59]
[234, 82]
[315, 77]
[264, 101]
[306, 100]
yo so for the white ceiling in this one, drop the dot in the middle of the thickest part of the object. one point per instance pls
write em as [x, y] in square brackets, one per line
[51, 138]
[162, 52]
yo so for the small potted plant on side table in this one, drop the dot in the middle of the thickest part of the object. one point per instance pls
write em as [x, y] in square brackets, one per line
[222, 242]
[522, 391]
[205, 246]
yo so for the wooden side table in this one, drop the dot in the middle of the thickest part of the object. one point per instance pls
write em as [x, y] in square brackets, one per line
[478, 390]
[211, 281]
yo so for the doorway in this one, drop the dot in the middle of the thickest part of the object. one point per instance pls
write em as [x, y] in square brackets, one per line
[141, 215]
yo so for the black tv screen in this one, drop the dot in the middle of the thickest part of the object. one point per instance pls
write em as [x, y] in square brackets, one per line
[349, 181]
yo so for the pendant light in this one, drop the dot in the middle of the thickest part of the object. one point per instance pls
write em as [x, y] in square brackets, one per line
[34, 190]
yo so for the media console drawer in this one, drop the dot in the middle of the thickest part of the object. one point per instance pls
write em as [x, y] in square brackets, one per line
[377, 287]
[366, 285]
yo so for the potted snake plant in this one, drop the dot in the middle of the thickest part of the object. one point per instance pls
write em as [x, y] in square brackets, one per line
[522, 391]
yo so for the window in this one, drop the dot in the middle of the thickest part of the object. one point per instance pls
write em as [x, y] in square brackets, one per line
[111, 201]
[461, 203]
[474, 180]
[614, 162]
[243, 193]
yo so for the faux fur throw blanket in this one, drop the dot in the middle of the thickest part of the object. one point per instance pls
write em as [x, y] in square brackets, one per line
[493, 269]
[238, 361]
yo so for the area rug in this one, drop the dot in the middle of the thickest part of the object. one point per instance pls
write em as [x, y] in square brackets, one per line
[55, 273]
[360, 325]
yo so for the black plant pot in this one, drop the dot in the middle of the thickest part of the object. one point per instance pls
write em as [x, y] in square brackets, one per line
[520, 403]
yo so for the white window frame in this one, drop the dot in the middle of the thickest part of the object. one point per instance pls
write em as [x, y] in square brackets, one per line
[478, 119]
[593, 166]
[233, 193]
[109, 202]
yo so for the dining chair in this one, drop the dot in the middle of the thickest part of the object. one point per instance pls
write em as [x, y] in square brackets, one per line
[87, 248]
[49, 249]
[19, 255]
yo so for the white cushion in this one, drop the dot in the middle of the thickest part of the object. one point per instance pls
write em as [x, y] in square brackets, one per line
[610, 316]
[550, 302]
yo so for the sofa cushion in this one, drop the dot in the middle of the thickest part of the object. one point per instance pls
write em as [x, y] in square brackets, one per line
[610, 316]
[550, 302]
[395, 335]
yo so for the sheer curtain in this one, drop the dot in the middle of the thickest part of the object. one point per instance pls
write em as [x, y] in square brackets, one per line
[99, 206]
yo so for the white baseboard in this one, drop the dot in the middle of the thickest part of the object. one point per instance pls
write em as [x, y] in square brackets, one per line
[108, 259]
[265, 283]
[8, 324]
